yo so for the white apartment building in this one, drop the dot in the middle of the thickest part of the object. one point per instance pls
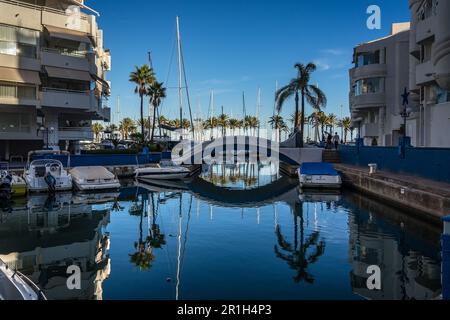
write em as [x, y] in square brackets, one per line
[429, 78]
[378, 79]
[52, 75]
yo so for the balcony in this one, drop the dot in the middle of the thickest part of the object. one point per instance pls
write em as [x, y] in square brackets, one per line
[370, 100]
[18, 62]
[62, 59]
[424, 73]
[368, 71]
[68, 99]
[76, 133]
[424, 30]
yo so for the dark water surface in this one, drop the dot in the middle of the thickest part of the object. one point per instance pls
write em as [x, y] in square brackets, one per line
[233, 233]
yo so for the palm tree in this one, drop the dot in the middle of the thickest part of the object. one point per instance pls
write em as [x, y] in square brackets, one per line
[156, 93]
[126, 127]
[347, 126]
[300, 87]
[278, 124]
[97, 128]
[222, 122]
[234, 124]
[331, 122]
[142, 77]
[323, 120]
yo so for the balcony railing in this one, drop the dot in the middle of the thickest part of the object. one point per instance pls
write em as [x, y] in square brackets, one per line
[66, 52]
[83, 16]
[87, 92]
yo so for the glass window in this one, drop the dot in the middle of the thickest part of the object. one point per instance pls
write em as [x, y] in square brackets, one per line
[15, 91]
[442, 96]
[367, 58]
[18, 41]
[12, 122]
[370, 85]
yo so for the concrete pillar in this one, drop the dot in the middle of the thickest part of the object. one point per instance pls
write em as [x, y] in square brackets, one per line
[446, 259]
[441, 47]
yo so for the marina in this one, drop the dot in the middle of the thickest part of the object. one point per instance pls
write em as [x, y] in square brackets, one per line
[278, 248]
[237, 152]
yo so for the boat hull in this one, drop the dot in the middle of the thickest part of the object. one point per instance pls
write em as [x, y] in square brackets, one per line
[163, 176]
[96, 186]
[320, 182]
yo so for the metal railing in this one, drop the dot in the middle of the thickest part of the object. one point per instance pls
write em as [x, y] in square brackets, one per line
[66, 52]
[83, 16]
[46, 89]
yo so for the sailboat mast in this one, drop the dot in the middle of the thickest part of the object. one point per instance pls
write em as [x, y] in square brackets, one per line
[180, 91]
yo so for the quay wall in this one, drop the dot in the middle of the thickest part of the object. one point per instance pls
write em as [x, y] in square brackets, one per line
[417, 199]
[430, 163]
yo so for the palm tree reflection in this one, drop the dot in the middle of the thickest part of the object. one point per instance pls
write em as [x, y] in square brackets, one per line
[143, 256]
[300, 258]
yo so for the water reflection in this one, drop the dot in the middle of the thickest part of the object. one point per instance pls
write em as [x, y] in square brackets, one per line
[224, 238]
[43, 235]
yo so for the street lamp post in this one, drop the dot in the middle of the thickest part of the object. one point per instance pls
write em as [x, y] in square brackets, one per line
[46, 133]
[405, 114]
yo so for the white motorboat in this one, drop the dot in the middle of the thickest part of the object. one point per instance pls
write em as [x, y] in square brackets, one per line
[94, 178]
[319, 175]
[163, 171]
[15, 286]
[47, 175]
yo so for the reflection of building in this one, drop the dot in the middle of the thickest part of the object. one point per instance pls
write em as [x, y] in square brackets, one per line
[52, 74]
[43, 242]
[409, 269]
[379, 75]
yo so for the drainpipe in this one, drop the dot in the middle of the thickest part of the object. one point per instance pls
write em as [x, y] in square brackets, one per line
[446, 259]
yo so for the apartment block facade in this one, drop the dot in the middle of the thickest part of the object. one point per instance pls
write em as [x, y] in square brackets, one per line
[416, 57]
[379, 76]
[52, 75]
[429, 78]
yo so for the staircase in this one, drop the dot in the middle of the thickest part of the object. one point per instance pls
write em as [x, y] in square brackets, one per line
[331, 156]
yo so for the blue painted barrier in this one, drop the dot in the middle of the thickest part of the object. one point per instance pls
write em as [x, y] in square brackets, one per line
[107, 160]
[446, 259]
[431, 163]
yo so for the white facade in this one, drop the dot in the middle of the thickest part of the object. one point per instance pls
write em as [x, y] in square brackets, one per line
[378, 79]
[52, 75]
[429, 78]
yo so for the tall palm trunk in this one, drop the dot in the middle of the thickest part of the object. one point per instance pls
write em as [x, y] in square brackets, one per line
[142, 119]
[302, 125]
[297, 98]
[154, 123]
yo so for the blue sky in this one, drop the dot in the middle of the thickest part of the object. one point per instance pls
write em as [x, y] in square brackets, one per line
[234, 46]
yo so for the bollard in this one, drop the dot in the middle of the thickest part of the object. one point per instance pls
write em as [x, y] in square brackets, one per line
[446, 259]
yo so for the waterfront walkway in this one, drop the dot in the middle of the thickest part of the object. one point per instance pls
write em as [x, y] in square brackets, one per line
[422, 196]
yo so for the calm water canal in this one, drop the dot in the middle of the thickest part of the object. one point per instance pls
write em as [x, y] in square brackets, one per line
[233, 233]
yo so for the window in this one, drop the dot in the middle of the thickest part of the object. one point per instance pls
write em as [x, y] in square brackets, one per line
[442, 96]
[370, 85]
[12, 122]
[17, 91]
[367, 58]
[18, 41]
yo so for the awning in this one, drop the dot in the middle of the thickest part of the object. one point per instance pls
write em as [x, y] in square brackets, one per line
[19, 76]
[102, 81]
[78, 3]
[62, 73]
[67, 34]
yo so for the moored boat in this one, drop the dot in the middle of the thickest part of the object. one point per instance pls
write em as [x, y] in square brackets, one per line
[17, 287]
[163, 171]
[94, 178]
[319, 175]
[17, 185]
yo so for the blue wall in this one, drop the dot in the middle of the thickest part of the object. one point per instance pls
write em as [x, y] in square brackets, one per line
[431, 163]
[108, 160]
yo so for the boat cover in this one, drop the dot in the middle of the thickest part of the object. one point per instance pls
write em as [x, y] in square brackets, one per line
[323, 169]
[91, 173]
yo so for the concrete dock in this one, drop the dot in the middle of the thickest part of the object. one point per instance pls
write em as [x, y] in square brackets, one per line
[422, 197]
